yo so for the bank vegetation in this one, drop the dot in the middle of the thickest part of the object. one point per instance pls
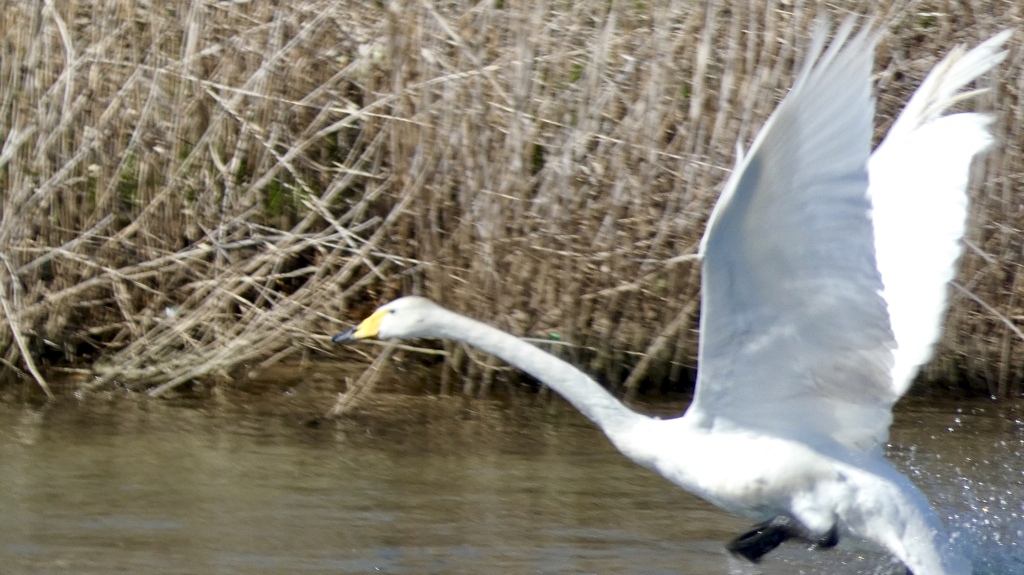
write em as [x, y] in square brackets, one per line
[194, 188]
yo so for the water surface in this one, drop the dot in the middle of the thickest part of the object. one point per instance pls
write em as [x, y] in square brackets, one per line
[414, 485]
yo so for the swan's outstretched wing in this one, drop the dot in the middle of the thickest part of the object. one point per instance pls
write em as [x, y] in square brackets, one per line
[918, 189]
[795, 338]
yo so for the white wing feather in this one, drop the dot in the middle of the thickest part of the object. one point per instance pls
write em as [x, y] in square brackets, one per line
[796, 339]
[919, 177]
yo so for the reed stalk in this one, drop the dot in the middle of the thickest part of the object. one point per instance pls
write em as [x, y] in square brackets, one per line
[189, 187]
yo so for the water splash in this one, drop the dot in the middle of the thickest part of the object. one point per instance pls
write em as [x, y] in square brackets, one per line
[978, 487]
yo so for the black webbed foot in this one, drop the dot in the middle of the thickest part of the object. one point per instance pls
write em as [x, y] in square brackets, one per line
[756, 543]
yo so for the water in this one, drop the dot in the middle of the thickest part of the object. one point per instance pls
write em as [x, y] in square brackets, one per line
[420, 486]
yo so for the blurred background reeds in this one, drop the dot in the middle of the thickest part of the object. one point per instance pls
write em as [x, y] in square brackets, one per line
[193, 186]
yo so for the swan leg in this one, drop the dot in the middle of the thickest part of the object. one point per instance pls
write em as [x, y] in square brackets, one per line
[756, 543]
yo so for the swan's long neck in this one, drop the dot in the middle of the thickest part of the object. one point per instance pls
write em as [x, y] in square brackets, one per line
[582, 392]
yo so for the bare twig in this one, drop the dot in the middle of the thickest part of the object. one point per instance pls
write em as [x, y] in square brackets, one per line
[363, 386]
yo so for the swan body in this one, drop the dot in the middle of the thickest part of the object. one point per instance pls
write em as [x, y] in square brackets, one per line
[822, 298]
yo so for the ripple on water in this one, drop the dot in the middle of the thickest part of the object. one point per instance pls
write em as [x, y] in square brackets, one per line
[426, 485]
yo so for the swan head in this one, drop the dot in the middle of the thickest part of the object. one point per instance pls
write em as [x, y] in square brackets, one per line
[403, 318]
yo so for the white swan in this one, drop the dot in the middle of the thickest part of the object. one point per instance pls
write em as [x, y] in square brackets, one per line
[806, 342]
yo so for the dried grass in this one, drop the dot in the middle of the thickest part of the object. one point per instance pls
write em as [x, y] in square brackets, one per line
[193, 186]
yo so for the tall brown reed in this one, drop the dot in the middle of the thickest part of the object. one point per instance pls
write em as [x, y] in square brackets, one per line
[193, 186]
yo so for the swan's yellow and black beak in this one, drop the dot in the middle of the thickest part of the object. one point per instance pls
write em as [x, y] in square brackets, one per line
[367, 328]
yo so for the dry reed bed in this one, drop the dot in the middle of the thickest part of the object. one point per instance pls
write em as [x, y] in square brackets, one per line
[193, 186]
